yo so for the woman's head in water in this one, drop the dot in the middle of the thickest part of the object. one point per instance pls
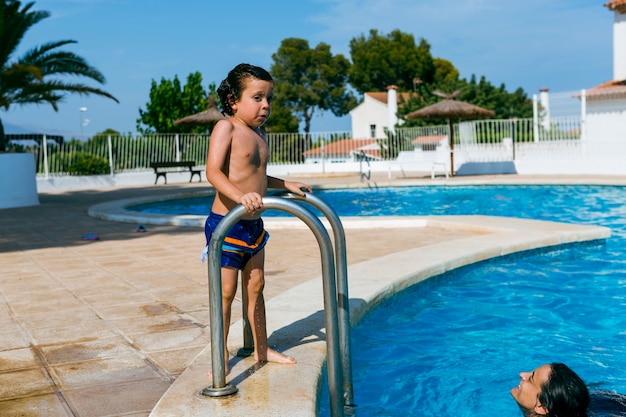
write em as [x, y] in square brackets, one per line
[552, 390]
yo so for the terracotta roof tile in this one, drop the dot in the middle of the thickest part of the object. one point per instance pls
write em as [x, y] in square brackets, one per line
[428, 139]
[610, 89]
[382, 96]
[344, 147]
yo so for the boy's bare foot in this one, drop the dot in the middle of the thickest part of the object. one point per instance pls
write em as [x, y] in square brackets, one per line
[272, 356]
[276, 357]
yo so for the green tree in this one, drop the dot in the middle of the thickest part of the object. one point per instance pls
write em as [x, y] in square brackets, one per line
[446, 76]
[108, 131]
[30, 78]
[308, 79]
[379, 61]
[480, 93]
[169, 102]
[483, 93]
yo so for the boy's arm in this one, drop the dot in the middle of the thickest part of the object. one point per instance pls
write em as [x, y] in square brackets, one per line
[219, 147]
[292, 186]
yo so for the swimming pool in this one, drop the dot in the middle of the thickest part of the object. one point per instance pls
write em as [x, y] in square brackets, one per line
[461, 339]
[539, 202]
[455, 344]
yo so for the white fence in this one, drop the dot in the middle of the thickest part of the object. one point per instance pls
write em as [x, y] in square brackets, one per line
[553, 142]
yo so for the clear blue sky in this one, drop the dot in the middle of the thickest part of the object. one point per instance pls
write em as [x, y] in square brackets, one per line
[563, 45]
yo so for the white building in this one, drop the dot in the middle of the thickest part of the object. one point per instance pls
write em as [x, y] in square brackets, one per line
[377, 112]
[606, 103]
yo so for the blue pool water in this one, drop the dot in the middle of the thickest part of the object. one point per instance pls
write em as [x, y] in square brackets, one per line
[542, 202]
[454, 345]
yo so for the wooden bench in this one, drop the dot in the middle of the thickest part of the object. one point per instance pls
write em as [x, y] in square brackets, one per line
[162, 168]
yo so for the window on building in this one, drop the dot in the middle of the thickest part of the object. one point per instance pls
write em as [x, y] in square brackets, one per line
[373, 131]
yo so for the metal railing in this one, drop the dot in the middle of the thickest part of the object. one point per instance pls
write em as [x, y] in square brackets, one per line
[475, 141]
[343, 299]
[300, 148]
[479, 140]
[337, 320]
[565, 127]
[112, 154]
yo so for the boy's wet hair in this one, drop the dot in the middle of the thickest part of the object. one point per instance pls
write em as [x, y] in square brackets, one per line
[232, 86]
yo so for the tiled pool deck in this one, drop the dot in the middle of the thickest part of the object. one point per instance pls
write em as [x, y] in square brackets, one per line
[120, 326]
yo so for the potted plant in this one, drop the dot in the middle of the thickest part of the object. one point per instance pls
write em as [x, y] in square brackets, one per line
[30, 79]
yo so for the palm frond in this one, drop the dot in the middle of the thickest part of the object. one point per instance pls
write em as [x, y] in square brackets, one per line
[14, 23]
[57, 86]
[34, 53]
[68, 63]
[30, 78]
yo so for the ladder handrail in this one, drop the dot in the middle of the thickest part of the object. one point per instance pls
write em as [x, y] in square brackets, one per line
[335, 372]
[343, 299]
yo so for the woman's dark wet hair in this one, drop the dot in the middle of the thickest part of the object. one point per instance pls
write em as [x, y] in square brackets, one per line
[564, 394]
[231, 88]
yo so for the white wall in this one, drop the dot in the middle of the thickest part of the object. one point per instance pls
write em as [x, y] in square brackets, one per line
[369, 112]
[83, 182]
[18, 187]
[619, 47]
[606, 127]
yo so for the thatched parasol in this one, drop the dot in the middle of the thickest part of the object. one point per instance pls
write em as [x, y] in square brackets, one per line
[450, 108]
[208, 117]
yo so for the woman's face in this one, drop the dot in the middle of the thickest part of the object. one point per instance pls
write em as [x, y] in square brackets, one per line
[526, 394]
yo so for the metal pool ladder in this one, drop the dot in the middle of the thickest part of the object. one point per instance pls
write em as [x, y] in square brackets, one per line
[336, 300]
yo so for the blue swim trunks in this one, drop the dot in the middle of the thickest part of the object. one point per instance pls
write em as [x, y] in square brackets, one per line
[244, 240]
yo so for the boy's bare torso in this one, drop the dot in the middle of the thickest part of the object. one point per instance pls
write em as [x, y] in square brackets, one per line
[245, 165]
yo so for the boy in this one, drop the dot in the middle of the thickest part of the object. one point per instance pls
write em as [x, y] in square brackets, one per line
[237, 168]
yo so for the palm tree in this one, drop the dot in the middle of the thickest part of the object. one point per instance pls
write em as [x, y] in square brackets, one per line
[28, 79]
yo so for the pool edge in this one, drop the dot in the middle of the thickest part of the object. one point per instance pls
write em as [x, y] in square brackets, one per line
[291, 390]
